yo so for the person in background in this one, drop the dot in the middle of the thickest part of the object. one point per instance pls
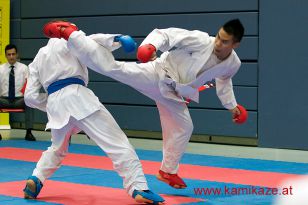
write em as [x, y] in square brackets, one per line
[13, 79]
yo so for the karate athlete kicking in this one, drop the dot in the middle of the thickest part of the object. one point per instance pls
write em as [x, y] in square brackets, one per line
[189, 59]
[72, 107]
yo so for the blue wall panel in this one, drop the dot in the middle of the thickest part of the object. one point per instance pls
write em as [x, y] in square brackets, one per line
[69, 8]
[142, 25]
[30, 47]
[118, 93]
[283, 96]
[211, 122]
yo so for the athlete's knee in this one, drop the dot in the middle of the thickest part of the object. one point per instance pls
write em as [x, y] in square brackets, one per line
[58, 151]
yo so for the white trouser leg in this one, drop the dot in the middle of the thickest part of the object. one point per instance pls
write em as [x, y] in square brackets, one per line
[105, 132]
[177, 128]
[51, 159]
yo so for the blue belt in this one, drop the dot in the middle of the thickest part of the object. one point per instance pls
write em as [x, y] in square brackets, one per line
[58, 85]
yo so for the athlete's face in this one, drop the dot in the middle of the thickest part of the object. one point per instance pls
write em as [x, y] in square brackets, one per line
[224, 44]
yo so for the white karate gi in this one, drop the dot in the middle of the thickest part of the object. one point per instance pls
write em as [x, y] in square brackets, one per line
[292, 191]
[75, 108]
[185, 65]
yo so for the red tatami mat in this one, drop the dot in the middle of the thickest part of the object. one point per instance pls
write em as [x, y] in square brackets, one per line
[227, 175]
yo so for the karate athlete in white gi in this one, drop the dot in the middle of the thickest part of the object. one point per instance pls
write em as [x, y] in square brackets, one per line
[189, 59]
[72, 107]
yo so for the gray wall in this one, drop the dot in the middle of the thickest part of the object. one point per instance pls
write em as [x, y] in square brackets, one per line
[283, 72]
[257, 86]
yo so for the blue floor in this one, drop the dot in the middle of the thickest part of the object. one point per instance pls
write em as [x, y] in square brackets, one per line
[16, 170]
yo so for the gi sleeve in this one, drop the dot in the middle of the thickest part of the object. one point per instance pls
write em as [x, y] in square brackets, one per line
[224, 90]
[166, 39]
[33, 97]
[106, 40]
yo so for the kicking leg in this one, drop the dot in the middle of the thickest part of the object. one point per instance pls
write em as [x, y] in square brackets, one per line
[101, 60]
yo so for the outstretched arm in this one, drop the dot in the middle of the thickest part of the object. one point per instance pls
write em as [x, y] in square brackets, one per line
[166, 39]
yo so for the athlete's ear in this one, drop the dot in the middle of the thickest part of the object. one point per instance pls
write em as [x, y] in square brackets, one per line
[236, 45]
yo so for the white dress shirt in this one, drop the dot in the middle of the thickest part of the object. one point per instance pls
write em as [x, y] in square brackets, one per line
[21, 72]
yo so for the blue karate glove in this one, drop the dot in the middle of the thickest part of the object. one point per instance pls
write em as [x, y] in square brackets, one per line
[127, 42]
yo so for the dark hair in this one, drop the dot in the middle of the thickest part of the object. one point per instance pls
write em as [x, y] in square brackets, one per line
[11, 46]
[234, 27]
